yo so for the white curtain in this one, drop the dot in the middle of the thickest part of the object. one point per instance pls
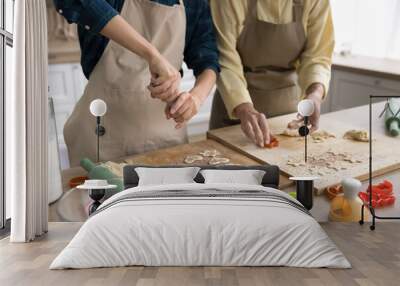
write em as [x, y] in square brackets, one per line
[368, 27]
[26, 117]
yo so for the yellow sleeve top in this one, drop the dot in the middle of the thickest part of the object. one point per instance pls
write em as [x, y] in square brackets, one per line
[314, 64]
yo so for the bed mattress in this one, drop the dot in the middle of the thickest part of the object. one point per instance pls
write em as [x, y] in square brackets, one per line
[201, 225]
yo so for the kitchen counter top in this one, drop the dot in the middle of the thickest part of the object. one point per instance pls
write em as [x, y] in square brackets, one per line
[388, 68]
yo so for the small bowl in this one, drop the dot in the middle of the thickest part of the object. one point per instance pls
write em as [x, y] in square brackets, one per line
[332, 192]
[74, 182]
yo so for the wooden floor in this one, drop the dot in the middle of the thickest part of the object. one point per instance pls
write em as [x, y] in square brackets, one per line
[375, 257]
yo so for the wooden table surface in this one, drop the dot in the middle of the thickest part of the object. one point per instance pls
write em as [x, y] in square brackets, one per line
[385, 158]
[175, 156]
[71, 207]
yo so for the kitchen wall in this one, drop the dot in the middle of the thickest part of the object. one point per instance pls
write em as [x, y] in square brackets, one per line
[362, 27]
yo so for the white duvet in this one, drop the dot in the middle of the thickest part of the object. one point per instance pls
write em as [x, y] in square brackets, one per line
[204, 231]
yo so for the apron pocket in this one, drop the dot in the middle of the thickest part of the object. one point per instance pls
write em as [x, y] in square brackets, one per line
[277, 102]
[269, 80]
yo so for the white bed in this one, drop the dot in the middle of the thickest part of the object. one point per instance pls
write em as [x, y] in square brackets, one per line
[248, 226]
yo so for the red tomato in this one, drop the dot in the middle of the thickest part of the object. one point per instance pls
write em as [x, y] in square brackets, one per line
[273, 143]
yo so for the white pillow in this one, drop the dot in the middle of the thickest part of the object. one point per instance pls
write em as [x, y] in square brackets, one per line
[166, 176]
[248, 177]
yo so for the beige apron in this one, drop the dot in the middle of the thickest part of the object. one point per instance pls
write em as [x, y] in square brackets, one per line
[134, 121]
[268, 53]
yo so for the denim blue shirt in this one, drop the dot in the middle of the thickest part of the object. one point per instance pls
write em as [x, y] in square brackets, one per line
[92, 15]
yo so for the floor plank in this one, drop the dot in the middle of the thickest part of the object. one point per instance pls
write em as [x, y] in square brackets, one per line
[375, 257]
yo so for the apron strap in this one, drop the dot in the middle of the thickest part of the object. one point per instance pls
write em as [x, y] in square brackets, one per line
[298, 6]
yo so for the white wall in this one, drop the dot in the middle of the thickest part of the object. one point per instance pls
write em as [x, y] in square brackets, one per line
[368, 27]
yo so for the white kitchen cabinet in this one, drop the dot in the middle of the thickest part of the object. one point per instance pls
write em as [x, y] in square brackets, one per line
[66, 86]
[350, 89]
[355, 78]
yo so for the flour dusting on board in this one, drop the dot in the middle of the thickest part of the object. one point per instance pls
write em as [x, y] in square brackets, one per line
[323, 164]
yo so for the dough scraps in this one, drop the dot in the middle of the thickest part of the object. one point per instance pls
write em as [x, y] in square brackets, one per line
[211, 157]
[210, 153]
[190, 159]
[327, 163]
[357, 135]
[317, 136]
[295, 163]
[218, 161]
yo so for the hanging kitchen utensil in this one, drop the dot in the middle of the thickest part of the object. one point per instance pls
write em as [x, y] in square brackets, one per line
[305, 109]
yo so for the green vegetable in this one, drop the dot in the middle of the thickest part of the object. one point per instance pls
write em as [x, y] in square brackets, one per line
[99, 172]
[392, 121]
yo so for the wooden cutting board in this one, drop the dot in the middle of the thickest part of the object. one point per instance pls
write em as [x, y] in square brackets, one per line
[386, 151]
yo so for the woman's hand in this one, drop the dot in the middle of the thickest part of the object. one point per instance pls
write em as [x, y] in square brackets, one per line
[186, 106]
[165, 79]
[254, 124]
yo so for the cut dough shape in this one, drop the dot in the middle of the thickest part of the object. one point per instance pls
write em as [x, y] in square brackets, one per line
[321, 136]
[290, 132]
[210, 153]
[218, 161]
[190, 159]
[330, 163]
[357, 135]
[317, 136]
